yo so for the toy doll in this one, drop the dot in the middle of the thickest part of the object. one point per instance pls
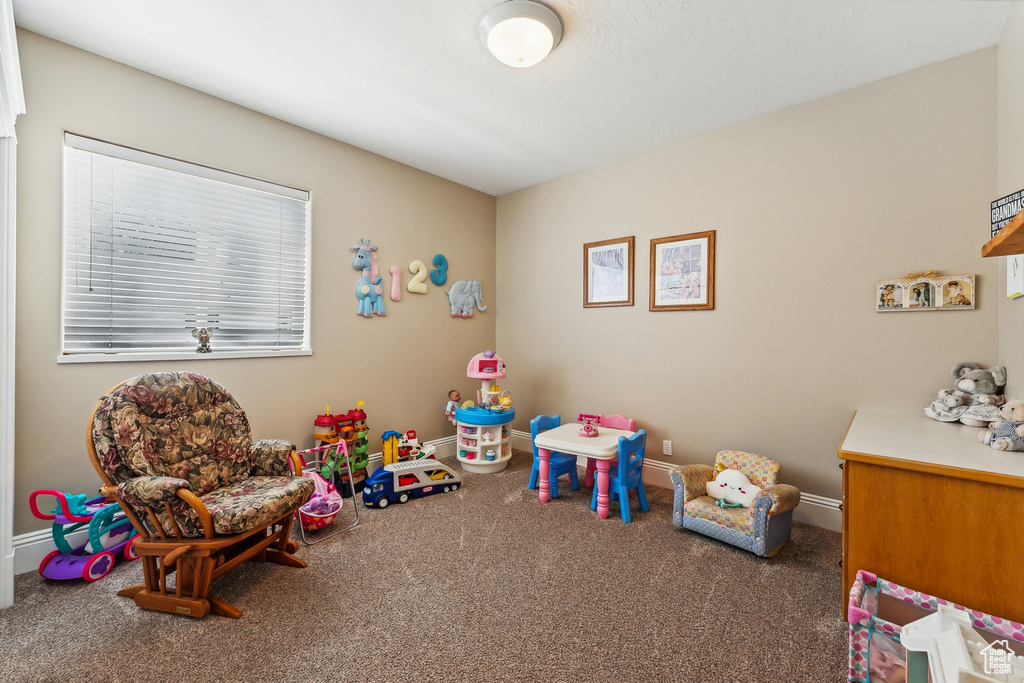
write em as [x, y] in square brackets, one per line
[453, 402]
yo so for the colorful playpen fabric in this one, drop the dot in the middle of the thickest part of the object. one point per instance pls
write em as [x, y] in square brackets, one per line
[876, 653]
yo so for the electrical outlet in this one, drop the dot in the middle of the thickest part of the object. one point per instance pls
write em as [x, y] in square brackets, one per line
[666, 447]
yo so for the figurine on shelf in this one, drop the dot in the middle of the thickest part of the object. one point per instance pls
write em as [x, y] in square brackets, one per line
[203, 335]
[453, 403]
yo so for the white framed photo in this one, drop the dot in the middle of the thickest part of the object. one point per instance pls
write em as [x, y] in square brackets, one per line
[608, 273]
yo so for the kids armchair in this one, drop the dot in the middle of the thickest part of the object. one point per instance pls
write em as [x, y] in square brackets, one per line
[174, 450]
[560, 463]
[763, 528]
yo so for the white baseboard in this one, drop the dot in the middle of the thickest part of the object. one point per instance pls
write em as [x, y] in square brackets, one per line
[814, 510]
[31, 548]
[522, 441]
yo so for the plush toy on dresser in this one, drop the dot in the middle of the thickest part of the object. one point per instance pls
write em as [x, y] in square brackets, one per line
[975, 385]
[975, 397]
[1007, 434]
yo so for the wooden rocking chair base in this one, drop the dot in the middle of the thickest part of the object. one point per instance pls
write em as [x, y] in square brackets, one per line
[197, 563]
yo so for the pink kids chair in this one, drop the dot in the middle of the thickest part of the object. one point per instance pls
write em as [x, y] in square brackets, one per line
[560, 463]
[615, 422]
[627, 475]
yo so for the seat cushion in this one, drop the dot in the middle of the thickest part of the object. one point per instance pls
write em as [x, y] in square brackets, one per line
[255, 502]
[704, 507]
[241, 507]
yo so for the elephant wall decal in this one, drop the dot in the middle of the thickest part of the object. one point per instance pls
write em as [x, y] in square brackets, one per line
[462, 296]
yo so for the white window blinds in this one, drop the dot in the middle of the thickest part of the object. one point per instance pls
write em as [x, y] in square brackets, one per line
[155, 248]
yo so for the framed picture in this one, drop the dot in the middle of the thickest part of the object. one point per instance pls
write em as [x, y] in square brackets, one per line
[683, 272]
[608, 273]
[925, 293]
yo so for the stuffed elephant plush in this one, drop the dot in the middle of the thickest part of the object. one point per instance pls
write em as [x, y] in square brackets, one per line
[462, 296]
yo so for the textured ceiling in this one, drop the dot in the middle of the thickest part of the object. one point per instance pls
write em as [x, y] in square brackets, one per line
[409, 79]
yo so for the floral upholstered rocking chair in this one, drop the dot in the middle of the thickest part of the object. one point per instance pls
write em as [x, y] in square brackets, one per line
[174, 450]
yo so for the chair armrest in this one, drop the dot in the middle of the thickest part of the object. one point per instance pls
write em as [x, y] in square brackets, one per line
[272, 458]
[143, 492]
[784, 497]
[693, 479]
[155, 505]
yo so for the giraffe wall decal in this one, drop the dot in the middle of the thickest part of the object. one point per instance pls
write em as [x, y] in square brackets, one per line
[369, 289]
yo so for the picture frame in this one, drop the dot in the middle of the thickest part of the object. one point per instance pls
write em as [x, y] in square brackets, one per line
[683, 272]
[608, 273]
[926, 293]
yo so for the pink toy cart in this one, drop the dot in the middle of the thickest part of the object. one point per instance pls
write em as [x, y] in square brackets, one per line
[320, 511]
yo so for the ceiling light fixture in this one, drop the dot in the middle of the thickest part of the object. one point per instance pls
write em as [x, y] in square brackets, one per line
[520, 33]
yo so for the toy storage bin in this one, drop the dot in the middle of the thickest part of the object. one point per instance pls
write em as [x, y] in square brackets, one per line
[877, 611]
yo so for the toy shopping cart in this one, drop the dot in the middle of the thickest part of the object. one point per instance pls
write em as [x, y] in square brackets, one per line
[323, 467]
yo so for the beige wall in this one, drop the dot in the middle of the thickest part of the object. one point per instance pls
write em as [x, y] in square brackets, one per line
[811, 206]
[402, 365]
[1011, 179]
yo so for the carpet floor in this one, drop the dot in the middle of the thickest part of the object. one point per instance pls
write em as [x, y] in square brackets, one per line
[483, 584]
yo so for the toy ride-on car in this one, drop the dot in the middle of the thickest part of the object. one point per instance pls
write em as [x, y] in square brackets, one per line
[110, 533]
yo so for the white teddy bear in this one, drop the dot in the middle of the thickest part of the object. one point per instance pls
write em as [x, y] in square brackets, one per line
[1007, 434]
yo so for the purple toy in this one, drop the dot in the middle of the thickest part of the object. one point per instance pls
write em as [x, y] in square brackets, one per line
[110, 533]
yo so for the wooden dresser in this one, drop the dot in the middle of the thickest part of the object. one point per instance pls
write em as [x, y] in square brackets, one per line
[927, 505]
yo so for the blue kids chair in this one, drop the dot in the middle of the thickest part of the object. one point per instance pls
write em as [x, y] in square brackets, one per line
[615, 422]
[561, 463]
[627, 475]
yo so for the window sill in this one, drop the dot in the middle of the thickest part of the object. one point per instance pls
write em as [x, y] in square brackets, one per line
[127, 356]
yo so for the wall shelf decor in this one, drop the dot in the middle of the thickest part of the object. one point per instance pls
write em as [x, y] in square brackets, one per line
[1008, 241]
[925, 292]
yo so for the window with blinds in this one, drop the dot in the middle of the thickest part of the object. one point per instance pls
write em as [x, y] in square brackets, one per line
[155, 249]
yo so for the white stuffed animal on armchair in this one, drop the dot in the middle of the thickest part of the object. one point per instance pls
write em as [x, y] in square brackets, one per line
[732, 489]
